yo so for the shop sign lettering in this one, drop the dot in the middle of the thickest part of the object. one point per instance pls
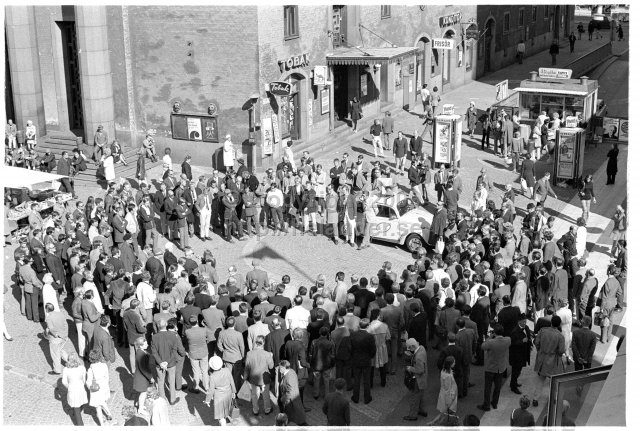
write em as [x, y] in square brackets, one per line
[300, 60]
[279, 88]
[447, 20]
[549, 73]
[443, 43]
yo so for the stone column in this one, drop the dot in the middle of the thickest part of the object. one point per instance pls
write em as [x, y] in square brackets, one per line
[25, 67]
[95, 70]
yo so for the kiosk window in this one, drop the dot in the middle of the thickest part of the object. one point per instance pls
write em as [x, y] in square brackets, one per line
[552, 104]
[532, 103]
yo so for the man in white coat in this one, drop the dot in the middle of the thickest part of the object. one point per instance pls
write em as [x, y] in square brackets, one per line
[229, 153]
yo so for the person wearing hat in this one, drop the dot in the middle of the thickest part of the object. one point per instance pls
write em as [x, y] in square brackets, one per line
[228, 153]
[520, 351]
[55, 267]
[418, 368]
[440, 180]
[100, 139]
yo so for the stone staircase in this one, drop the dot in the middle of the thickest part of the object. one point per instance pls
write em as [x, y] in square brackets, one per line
[58, 142]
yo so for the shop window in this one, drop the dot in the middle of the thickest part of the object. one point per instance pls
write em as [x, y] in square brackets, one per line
[546, 12]
[291, 28]
[434, 61]
[506, 23]
[385, 11]
[468, 54]
[534, 13]
[521, 17]
[530, 106]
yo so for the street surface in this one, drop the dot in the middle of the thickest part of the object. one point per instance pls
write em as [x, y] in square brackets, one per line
[32, 397]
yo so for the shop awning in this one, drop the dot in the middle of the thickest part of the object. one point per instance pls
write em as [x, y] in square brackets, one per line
[13, 177]
[366, 56]
[551, 91]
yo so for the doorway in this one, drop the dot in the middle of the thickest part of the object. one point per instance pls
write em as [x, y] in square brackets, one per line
[72, 74]
[488, 39]
[290, 115]
[423, 64]
[341, 94]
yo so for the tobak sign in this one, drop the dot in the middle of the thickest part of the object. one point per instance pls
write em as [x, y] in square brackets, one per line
[443, 43]
[300, 60]
[550, 73]
[279, 88]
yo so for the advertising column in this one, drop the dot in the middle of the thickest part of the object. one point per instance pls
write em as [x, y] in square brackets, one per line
[447, 140]
[569, 155]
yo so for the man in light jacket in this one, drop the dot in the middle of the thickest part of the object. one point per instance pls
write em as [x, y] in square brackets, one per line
[418, 368]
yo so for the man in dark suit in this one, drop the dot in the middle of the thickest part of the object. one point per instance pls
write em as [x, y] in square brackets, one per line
[341, 337]
[166, 349]
[279, 298]
[186, 167]
[583, 344]
[55, 267]
[258, 274]
[440, 180]
[508, 316]
[417, 327]
[392, 316]
[520, 350]
[102, 340]
[336, 406]
[296, 354]
[363, 349]
[155, 268]
[119, 224]
[480, 315]
[168, 257]
[135, 328]
[467, 340]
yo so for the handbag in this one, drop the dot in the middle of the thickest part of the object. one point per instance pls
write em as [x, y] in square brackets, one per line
[95, 387]
[409, 380]
[597, 318]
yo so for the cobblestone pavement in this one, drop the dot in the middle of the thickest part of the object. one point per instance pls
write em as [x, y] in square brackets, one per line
[27, 360]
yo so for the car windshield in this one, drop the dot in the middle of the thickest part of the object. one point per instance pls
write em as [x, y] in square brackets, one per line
[404, 206]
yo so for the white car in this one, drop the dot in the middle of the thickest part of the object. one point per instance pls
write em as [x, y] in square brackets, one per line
[400, 221]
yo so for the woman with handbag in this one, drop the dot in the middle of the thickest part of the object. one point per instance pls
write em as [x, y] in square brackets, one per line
[73, 378]
[98, 384]
[448, 396]
[586, 196]
[222, 390]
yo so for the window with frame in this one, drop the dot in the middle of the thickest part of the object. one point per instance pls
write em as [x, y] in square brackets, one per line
[434, 61]
[521, 17]
[506, 23]
[534, 13]
[385, 11]
[546, 12]
[291, 28]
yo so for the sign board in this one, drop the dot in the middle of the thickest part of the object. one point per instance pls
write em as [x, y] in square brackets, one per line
[566, 154]
[623, 135]
[441, 141]
[447, 109]
[472, 33]
[320, 75]
[267, 137]
[550, 73]
[448, 20]
[279, 88]
[194, 127]
[611, 128]
[276, 128]
[443, 43]
[502, 90]
[324, 97]
[571, 122]
[293, 62]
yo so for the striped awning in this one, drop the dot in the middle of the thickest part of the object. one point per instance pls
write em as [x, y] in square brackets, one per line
[366, 56]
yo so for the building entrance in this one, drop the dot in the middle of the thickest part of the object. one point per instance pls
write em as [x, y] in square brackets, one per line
[72, 74]
[341, 94]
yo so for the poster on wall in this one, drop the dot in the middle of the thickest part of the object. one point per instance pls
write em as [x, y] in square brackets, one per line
[320, 75]
[210, 128]
[276, 128]
[363, 84]
[567, 154]
[442, 142]
[623, 135]
[611, 127]
[324, 96]
[267, 137]
[194, 128]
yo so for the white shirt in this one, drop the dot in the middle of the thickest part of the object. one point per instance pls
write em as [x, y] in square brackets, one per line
[424, 93]
[581, 240]
[473, 293]
[297, 317]
[49, 296]
[89, 285]
[258, 328]
[439, 274]
[166, 162]
[146, 295]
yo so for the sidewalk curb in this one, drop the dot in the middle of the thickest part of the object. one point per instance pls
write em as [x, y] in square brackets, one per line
[602, 67]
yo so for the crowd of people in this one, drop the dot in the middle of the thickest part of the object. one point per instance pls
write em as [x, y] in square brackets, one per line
[470, 302]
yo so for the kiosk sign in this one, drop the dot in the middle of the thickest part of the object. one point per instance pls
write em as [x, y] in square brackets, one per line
[550, 73]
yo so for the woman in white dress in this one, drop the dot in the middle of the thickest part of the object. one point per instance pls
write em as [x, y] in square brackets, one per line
[73, 378]
[49, 294]
[228, 153]
[108, 165]
[99, 375]
[448, 395]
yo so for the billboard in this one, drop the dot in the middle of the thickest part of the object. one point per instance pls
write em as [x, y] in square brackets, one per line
[442, 142]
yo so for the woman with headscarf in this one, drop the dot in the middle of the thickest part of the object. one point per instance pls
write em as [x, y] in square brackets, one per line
[222, 390]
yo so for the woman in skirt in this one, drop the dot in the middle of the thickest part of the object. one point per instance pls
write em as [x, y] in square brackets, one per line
[222, 390]
[619, 229]
[99, 374]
